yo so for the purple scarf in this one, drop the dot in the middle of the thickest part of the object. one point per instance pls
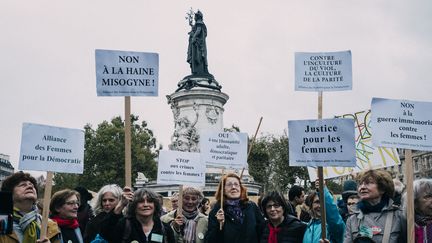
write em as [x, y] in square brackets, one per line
[233, 208]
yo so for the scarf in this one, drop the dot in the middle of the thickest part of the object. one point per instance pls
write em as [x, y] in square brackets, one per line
[273, 233]
[366, 207]
[233, 208]
[66, 223]
[29, 224]
[423, 228]
[190, 226]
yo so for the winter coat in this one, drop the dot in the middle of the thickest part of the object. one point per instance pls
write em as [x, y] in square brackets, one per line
[201, 226]
[233, 230]
[376, 222]
[116, 229]
[53, 233]
[93, 227]
[292, 231]
[334, 223]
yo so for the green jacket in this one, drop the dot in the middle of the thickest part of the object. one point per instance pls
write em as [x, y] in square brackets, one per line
[201, 227]
[53, 233]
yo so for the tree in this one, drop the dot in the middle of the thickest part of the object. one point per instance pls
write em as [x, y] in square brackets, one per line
[104, 155]
[268, 164]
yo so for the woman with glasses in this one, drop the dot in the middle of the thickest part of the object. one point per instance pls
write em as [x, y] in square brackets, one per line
[106, 200]
[239, 220]
[64, 210]
[190, 226]
[142, 222]
[377, 218]
[280, 227]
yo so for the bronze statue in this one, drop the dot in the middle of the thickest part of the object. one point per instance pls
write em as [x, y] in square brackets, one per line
[197, 56]
[197, 49]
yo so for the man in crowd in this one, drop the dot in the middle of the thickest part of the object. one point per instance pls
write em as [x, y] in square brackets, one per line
[296, 197]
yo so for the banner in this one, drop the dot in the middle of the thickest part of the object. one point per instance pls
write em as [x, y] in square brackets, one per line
[182, 168]
[402, 124]
[48, 148]
[323, 71]
[126, 73]
[326, 142]
[367, 155]
[224, 149]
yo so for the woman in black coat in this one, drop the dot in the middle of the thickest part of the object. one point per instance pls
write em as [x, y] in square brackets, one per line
[241, 219]
[280, 227]
[142, 223]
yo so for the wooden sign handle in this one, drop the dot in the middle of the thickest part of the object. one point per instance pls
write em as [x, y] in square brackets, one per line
[46, 203]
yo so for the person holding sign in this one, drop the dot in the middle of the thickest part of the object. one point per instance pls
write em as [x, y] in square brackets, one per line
[334, 222]
[281, 226]
[106, 200]
[64, 210]
[142, 221]
[26, 220]
[423, 210]
[378, 219]
[241, 219]
[190, 226]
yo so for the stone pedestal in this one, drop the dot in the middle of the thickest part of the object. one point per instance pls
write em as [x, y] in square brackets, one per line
[194, 111]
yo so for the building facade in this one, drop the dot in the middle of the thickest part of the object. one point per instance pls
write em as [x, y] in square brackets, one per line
[6, 168]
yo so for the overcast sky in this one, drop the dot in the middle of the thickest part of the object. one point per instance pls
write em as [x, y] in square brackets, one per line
[47, 63]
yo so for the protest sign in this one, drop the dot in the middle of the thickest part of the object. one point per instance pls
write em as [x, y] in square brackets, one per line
[126, 73]
[402, 124]
[48, 148]
[224, 149]
[323, 71]
[327, 142]
[182, 168]
[367, 155]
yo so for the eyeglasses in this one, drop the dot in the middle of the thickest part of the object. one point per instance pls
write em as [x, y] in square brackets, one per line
[232, 185]
[72, 203]
[276, 206]
[351, 203]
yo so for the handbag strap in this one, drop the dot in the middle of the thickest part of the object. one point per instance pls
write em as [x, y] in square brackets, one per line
[388, 225]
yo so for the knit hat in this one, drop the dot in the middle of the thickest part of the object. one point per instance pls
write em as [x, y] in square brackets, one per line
[349, 189]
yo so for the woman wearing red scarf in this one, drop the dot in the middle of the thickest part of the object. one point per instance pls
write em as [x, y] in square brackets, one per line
[280, 227]
[64, 209]
[241, 218]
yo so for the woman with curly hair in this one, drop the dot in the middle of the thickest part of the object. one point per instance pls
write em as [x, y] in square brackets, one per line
[142, 221]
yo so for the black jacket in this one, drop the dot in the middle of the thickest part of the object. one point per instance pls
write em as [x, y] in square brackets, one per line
[233, 230]
[93, 227]
[292, 231]
[116, 229]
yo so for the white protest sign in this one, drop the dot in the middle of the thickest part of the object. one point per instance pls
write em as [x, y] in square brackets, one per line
[224, 149]
[367, 155]
[48, 148]
[402, 124]
[126, 73]
[182, 168]
[327, 142]
[323, 71]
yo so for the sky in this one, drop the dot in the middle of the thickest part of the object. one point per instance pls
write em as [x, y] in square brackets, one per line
[47, 62]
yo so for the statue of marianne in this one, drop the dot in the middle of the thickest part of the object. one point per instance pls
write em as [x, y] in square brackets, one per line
[197, 48]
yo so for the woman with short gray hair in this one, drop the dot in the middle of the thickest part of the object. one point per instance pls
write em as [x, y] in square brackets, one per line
[423, 210]
[190, 226]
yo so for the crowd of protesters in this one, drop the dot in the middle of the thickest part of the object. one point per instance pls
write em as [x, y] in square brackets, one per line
[372, 209]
